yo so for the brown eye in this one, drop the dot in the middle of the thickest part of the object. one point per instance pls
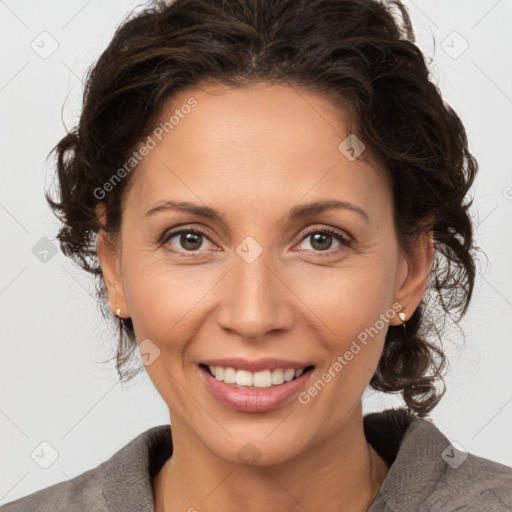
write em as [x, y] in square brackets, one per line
[322, 240]
[187, 240]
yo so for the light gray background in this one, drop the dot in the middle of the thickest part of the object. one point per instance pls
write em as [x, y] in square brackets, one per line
[53, 389]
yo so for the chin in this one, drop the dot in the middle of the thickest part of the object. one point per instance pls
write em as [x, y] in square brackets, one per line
[257, 449]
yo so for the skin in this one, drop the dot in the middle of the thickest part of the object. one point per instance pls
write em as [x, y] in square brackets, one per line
[254, 153]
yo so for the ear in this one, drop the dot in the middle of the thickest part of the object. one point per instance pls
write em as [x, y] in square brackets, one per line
[109, 257]
[418, 262]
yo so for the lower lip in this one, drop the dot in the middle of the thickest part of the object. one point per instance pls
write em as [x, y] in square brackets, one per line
[253, 400]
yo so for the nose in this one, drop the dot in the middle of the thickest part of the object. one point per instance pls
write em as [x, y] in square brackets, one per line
[254, 300]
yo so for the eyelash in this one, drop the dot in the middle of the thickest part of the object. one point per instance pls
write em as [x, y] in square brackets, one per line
[344, 241]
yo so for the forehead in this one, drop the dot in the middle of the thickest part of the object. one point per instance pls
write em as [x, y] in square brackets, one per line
[262, 145]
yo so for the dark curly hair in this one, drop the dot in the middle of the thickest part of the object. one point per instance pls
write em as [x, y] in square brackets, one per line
[360, 54]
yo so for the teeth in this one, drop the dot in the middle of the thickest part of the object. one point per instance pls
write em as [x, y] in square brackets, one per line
[289, 374]
[242, 378]
[263, 379]
[277, 377]
[229, 375]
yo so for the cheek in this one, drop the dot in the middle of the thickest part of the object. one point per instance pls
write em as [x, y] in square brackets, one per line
[352, 307]
[165, 305]
[348, 299]
[163, 300]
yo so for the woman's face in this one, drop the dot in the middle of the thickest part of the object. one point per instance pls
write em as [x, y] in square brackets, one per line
[254, 277]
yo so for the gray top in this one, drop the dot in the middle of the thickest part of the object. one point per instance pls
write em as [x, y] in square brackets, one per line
[426, 474]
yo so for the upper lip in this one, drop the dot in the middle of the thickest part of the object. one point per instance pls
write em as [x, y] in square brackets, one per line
[257, 365]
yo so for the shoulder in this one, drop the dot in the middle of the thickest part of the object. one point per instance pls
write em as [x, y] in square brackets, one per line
[428, 472]
[83, 492]
[121, 483]
[471, 483]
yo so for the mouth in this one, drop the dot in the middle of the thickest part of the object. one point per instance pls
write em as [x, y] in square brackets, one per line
[263, 379]
[254, 392]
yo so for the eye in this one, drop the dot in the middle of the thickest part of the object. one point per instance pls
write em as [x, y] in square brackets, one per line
[321, 240]
[187, 240]
[192, 240]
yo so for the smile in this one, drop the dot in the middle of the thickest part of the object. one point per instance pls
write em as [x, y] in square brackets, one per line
[254, 392]
[254, 380]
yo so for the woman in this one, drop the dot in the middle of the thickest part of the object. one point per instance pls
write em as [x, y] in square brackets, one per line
[268, 193]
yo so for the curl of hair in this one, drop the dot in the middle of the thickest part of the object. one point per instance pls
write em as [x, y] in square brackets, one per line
[360, 54]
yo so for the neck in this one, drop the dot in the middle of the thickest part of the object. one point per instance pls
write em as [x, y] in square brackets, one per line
[341, 473]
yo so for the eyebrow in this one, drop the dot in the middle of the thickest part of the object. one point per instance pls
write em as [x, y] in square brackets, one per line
[295, 213]
[202, 211]
[308, 209]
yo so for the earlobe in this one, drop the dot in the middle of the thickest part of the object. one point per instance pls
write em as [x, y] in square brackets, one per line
[419, 263]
